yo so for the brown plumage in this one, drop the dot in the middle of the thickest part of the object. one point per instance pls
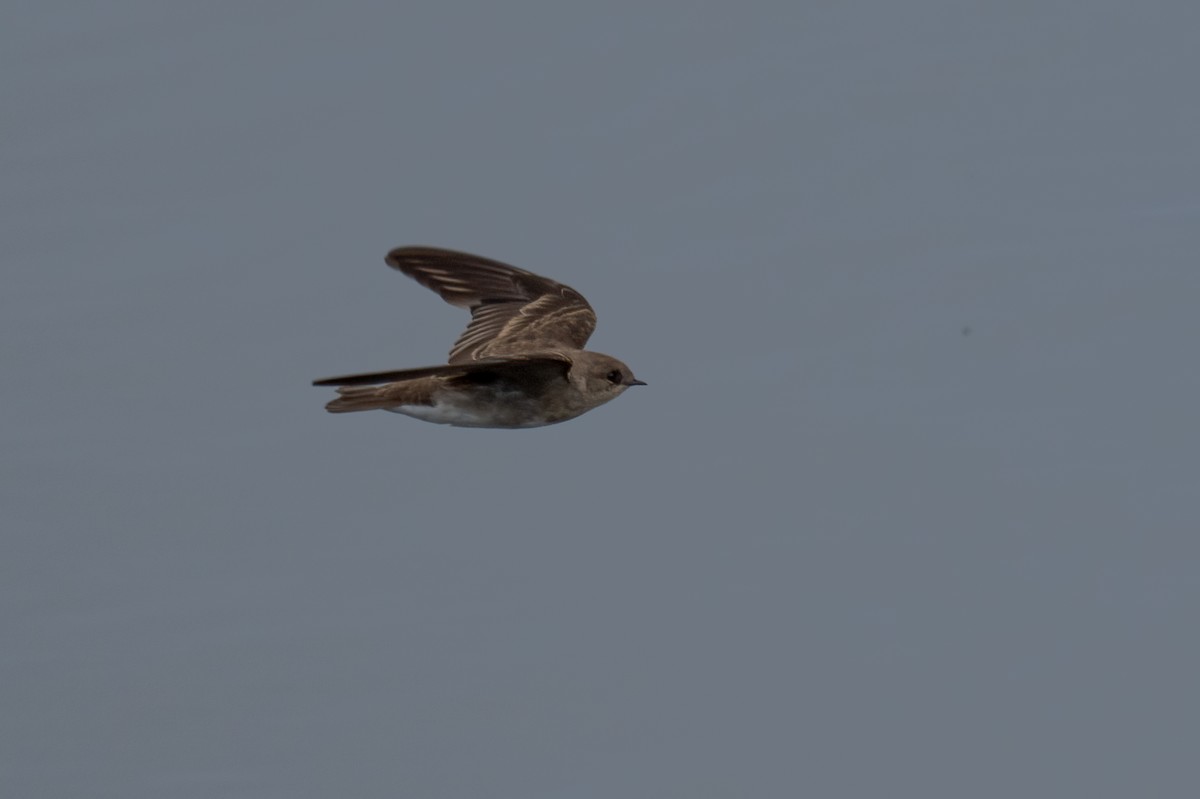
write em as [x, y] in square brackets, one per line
[512, 311]
[519, 363]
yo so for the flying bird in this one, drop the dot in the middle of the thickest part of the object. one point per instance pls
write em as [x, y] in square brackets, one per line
[520, 362]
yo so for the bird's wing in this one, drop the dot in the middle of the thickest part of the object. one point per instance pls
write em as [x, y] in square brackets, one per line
[512, 311]
[529, 375]
[513, 367]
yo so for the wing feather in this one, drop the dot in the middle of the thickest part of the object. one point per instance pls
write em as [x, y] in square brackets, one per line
[512, 311]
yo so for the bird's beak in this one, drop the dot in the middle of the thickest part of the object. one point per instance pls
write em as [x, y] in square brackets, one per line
[636, 383]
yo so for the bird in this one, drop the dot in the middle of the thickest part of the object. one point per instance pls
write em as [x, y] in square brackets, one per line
[519, 364]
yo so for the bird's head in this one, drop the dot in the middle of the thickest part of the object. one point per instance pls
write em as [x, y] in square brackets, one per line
[601, 377]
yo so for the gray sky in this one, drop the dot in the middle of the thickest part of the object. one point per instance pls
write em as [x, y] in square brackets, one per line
[908, 509]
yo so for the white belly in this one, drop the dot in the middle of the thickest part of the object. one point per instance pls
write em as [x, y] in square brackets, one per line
[442, 414]
[473, 415]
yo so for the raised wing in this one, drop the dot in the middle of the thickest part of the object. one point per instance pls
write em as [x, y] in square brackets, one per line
[512, 311]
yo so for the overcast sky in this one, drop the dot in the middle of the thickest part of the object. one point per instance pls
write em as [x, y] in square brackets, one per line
[908, 508]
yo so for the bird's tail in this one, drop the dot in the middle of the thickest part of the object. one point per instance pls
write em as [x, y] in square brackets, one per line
[359, 398]
[375, 390]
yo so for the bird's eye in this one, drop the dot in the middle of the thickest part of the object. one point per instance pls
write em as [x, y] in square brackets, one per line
[614, 376]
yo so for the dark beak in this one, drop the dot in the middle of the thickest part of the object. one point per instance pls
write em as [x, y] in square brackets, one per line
[635, 383]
